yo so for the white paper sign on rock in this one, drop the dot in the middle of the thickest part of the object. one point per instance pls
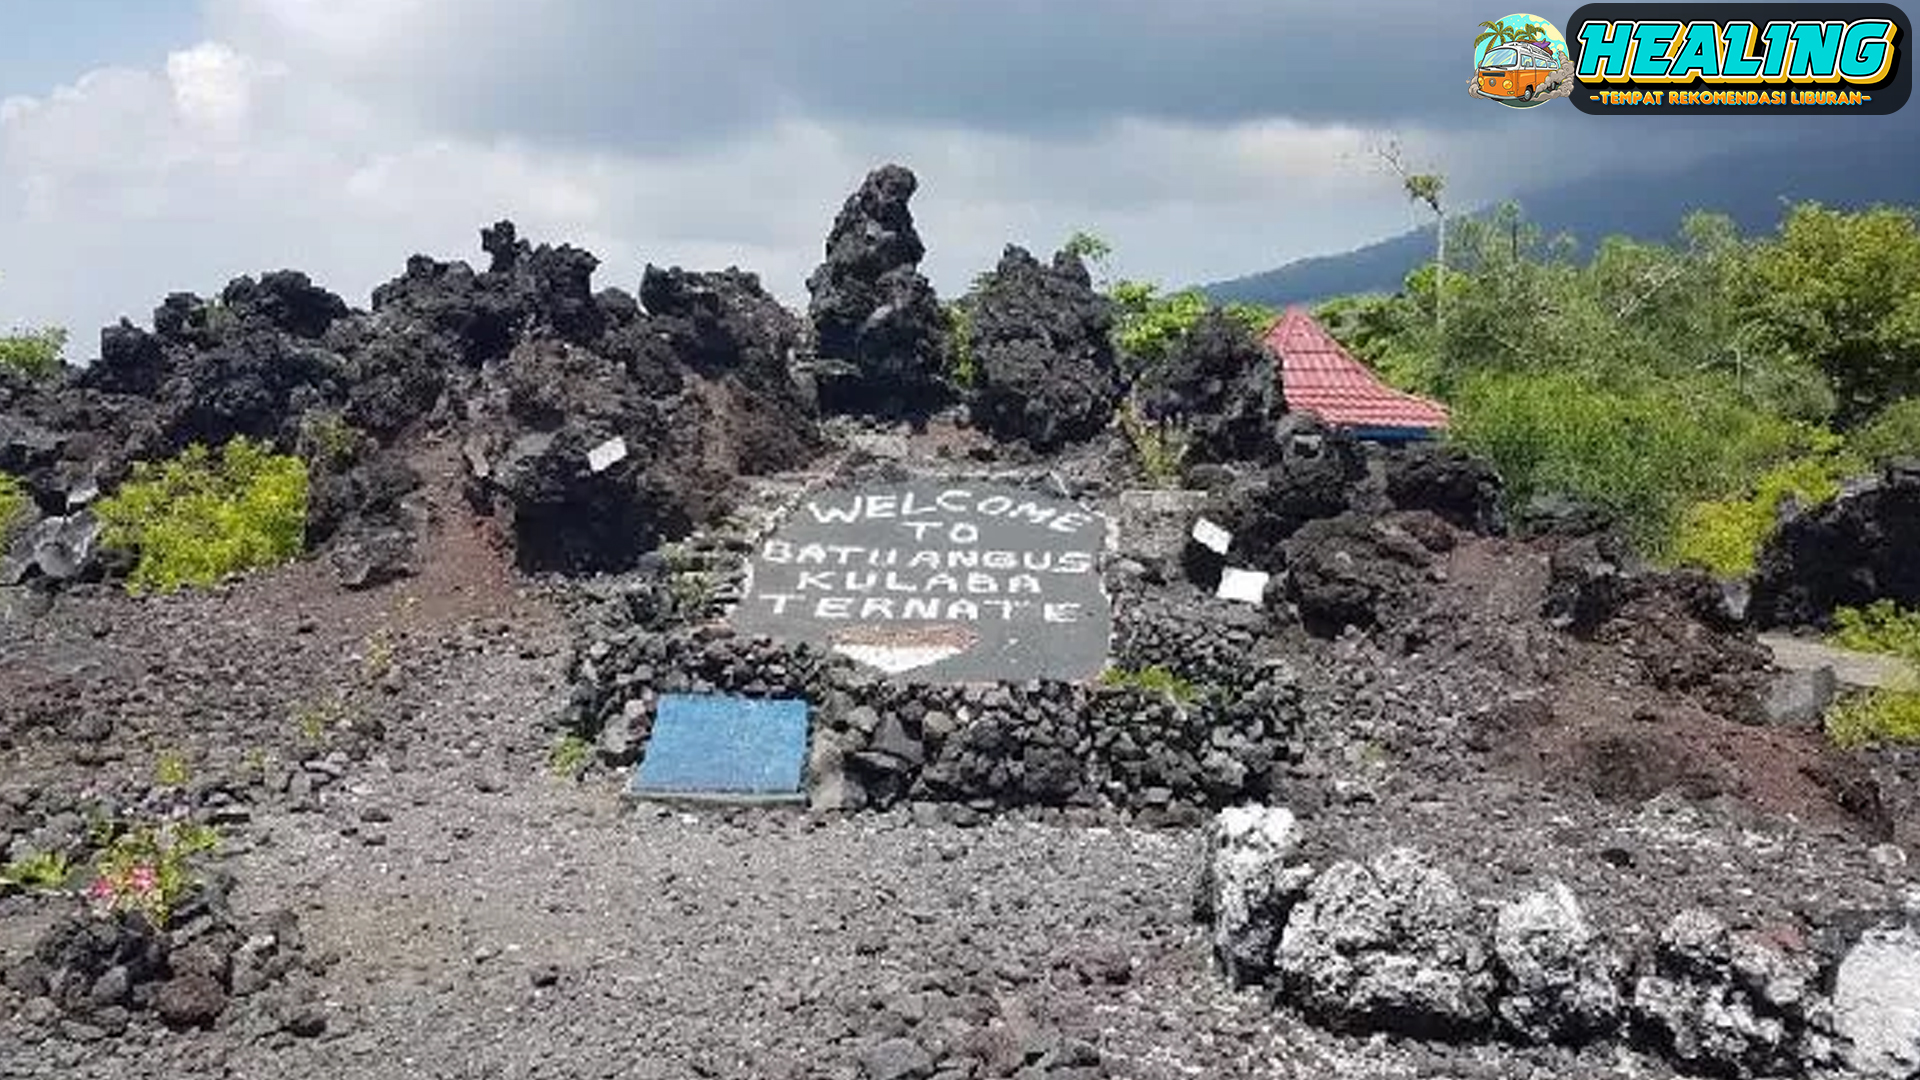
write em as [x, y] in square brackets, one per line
[607, 454]
[1246, 586]
[1211, 536]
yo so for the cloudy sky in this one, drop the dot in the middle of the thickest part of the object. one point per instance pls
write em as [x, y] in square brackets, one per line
[148, 146]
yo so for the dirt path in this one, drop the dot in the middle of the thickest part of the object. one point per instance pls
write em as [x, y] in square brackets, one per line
[1853, 669]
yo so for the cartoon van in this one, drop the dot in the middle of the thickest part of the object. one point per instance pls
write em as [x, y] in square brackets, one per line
[1518, 69]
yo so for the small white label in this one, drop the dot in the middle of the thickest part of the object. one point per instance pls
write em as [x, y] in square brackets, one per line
[607, 454]
[1246, 586]
[1211, 536]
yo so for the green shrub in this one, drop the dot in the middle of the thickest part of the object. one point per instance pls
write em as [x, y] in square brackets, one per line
[1155, 680]
[1876, 717]
[1881, 627]
[13, 503]
[38, 870]
[1149, 324]
[1725, 535]
[1160, 449]
[33, 353]
[961, 366]
[1892, 432]
[198, 518]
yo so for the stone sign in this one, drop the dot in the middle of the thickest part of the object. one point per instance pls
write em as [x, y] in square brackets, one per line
[951, 581]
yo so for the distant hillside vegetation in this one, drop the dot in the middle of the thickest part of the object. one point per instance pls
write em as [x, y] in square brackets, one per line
[1749, 187]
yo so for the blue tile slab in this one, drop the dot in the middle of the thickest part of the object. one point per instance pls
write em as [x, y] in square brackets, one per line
[725, 748]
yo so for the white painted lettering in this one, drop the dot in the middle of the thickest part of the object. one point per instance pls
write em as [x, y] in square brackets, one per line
[882, 506]
[982, 583]
[994, 505]
[953, 500]
[1032, 512]
[1069, 522]
[1061, 613]
[1075, 562]
[780, 601]
[925, 560]
[963, 560]
[998, 560]
[824, 514]
[964, 609]
[1024, 583]
[920, 607]
[964, 532]
[777, 551]
[816, 579]
[812, 553]
[833, 607]
[920, 528]
[943, 581]
[876, 607]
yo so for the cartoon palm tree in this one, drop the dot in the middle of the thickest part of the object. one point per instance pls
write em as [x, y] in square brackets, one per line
[1493, 34]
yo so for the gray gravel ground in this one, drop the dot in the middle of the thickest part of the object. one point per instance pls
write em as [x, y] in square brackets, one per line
[490, 919]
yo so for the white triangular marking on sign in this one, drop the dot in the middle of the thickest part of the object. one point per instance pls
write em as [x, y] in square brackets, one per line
[1246, 586]
[894, 659]
[1211, 536]
[607, 454]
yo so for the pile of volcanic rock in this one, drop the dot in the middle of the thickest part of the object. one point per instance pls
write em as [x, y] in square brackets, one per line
[1353, 532]
[591, 423]
[96, 976]
[1046, 372]
[1393, 945]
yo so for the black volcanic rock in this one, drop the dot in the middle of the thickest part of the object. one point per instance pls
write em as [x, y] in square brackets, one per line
[878, 328]
[1218, 383]
[1856, 549]
[1042, 343]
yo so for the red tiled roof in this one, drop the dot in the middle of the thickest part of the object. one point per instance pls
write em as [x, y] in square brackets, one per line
[1317, 376]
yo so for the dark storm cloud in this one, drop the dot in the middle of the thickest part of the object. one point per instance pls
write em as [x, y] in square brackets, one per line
[665, 78]
[660, 75]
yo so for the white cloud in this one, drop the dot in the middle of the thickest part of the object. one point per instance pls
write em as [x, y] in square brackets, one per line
[295, 142]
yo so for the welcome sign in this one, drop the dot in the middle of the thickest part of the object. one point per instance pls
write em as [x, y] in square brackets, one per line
[954, 582]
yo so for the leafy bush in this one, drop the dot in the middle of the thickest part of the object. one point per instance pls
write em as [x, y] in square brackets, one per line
[198, 518]
[1892, 432]
[1640, 452]
[33, 353]
[1149, 324]
[1876, 717]
[13, 503]
[1725, 535]
[1881, 627]
[150, 869]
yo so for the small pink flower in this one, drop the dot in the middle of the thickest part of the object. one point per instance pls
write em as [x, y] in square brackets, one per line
[143, 879]
[101, 889]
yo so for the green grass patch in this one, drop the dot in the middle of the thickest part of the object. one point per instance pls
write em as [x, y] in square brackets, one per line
[40, 870]
[1155, 680]
[1880, 627]
[1875, 718]
[570, 757]
[13, 503]
[202, 516]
